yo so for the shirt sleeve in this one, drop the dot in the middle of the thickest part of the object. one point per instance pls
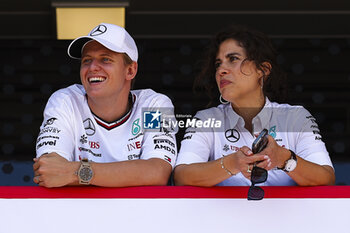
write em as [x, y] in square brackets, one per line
[309, 144]
[197, 143]
[161, 142]
[56, 131]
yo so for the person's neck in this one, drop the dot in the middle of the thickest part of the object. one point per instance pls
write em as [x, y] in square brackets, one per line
[112, 108]
[248, 108]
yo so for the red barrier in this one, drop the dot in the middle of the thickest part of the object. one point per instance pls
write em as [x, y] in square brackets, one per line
[172, 192]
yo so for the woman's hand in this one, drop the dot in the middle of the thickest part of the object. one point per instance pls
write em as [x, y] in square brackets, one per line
[244, 160]
[277, 154]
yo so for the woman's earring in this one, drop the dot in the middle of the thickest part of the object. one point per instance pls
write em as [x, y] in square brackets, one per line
[262, 82]
[223, 101]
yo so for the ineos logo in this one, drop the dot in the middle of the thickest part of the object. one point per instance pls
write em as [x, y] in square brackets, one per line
[232, 135]
[89, 127]
[100, 29]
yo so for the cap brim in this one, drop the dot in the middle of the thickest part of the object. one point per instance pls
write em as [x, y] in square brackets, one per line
[76, 46]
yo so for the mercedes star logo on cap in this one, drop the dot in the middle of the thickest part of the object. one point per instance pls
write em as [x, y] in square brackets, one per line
[89, 127]
[100, 29]
[232, 135]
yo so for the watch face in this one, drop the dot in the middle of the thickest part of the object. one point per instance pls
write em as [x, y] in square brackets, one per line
[291, 165]
[85, 174]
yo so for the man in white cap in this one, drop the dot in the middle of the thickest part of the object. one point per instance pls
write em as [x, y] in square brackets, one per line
[97, 133]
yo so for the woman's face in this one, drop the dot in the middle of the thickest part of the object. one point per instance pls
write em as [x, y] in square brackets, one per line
[236, 79]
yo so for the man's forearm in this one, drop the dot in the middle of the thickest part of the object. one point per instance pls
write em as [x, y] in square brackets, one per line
[131, 173]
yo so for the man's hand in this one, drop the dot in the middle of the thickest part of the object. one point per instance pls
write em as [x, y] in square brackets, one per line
[52, 170]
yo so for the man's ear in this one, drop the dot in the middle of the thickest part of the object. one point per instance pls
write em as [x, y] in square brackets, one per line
[131, 71]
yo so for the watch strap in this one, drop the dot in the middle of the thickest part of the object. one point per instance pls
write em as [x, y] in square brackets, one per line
[292, 157]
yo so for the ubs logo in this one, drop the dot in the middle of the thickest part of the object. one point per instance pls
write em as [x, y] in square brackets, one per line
[100, 29]
[89, 127]
[94, 145]
[232, 135]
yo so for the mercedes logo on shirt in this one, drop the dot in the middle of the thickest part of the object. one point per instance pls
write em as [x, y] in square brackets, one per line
[89, 127]
[232, 135]
[100, 29]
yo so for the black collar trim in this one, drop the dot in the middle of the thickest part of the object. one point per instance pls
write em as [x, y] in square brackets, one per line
[118, 122]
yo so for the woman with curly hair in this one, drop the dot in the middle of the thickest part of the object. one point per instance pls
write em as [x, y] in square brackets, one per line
[242, 72]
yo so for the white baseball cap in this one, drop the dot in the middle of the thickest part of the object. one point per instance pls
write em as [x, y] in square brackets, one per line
[111, 36]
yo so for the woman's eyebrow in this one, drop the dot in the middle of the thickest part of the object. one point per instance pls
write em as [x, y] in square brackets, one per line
[229, 55]
[232, 54]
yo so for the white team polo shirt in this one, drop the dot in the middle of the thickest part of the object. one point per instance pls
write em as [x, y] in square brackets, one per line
[293, 127]
[74, 132]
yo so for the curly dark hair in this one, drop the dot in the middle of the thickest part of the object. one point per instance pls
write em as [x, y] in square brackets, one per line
[258, 48]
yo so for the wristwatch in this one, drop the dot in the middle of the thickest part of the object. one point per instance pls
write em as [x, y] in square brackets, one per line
[291, 163]
[85, 172]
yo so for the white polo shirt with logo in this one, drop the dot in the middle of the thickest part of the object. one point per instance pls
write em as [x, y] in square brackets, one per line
[292, 127]
[71, 130]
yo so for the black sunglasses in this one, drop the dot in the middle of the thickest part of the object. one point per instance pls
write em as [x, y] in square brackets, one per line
[259, 175]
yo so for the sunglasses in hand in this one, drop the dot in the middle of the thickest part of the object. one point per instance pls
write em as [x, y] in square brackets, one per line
[258, 175]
